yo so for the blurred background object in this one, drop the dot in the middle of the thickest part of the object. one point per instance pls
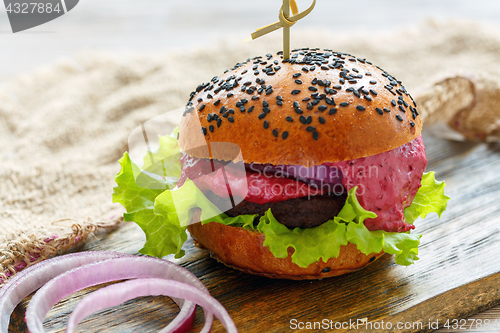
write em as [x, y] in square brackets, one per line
[158, 26]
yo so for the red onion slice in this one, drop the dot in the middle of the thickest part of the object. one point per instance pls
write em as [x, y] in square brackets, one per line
[320, 176]
[118, 293]
[111, 270]
[33, 277]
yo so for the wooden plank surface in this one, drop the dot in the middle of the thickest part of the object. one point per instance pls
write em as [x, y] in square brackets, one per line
[457, 275]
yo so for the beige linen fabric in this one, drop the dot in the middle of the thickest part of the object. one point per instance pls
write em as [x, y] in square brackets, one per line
[63, 127]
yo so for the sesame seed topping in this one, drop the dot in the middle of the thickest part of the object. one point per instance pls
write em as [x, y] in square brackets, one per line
[201, 107]
[217, 102]
[275, 132]
[312, 88]
[230, 119]
[360, 108]
[279, 103]
[402, 108]
[303, 120]
[306, 99]
[333, 111]
[321, 120]
[295, 92]
[266, 124]
[284, 135]
[373, 82]
[379, 111]
[296, 75]
[298, 81]
[250, 109]
[315, 135]
[219, 122]
[322, 108]
[299, 111]
[290, 119]
[373, 92]
[265, 104]
[398, 117]
[204, 130]
[344, 104]
[211, 128]
[387, 110]
[393, 102]
[310, 128]
[412, 124]
[309, 119]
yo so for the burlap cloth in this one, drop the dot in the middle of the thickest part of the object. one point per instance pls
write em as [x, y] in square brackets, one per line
[63, 127]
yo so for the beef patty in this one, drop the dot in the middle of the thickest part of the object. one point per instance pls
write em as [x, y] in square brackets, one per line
[301, 212]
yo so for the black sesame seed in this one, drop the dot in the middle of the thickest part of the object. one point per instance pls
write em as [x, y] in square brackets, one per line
[412, 124]
[373, 92]
[309, 119]
[379, 111]
[265, 104]
[326, 270]
[310, 128]
[333, 111]
[254, 98]
[311, 88]
[402, 108]
[338, 87]
[360, 108]
[356, 93]
[250, 109]
[344, 104]
[242, 108]
[306, 99]
[262, 115]
[303, 120]
[275, 132]
[373, 82]
[321, 120]
[230, 95]
[204, 130]
[230, 119]
[315, 135]
[296, 75]
[387, 110]
[279, 103]
[266, 110]
[295, 92]
[296, 104]
[217, 102]
[200, 100]
[298, 81]
[219, 122]
[290, 119]
[299, 111]
[310, 106]
[231, 111]
[269, 91]
[211, 128]
[393, 102]
[284, 135]
[209, 117]
[266, 124]
[398, 117]
[201, 107]
[322, 108]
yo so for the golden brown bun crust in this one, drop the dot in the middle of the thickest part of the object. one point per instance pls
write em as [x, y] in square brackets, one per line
[360, 129]
[243, 249]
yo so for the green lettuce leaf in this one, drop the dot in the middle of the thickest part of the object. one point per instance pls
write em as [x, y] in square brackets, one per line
[137, 196]
[164, 214]
[430, 198]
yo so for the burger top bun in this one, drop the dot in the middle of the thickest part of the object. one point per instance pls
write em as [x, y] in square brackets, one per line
[320, 106]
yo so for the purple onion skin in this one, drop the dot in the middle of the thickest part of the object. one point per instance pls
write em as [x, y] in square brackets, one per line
[319, 176]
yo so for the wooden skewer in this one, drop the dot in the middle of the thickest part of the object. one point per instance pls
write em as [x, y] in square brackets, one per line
[286, 30]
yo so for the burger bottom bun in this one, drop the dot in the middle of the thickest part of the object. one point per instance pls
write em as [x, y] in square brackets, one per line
[243, 249]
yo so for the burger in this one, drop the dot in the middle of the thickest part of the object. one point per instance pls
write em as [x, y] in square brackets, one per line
[299, 168]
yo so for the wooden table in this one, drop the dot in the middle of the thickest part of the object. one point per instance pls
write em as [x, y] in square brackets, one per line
[458, 273]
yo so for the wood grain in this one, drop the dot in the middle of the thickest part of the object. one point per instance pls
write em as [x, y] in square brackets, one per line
[457, 275]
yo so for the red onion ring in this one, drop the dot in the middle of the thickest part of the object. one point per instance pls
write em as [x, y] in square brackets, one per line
[33, 277]
[118, 293]
[106, 271]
